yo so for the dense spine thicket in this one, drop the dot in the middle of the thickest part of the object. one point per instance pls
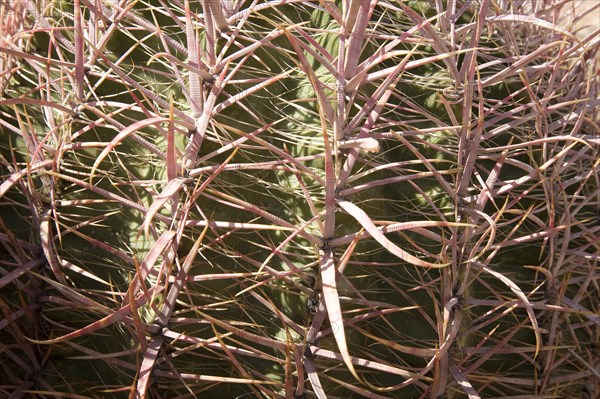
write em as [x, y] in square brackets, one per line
[294, 199]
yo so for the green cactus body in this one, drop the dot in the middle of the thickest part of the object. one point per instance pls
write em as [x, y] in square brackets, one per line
[285, 199]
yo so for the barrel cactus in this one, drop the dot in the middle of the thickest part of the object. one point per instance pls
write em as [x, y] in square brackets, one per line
[296, 199]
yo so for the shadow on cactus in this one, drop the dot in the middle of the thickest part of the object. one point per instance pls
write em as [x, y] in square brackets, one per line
[295, 199]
